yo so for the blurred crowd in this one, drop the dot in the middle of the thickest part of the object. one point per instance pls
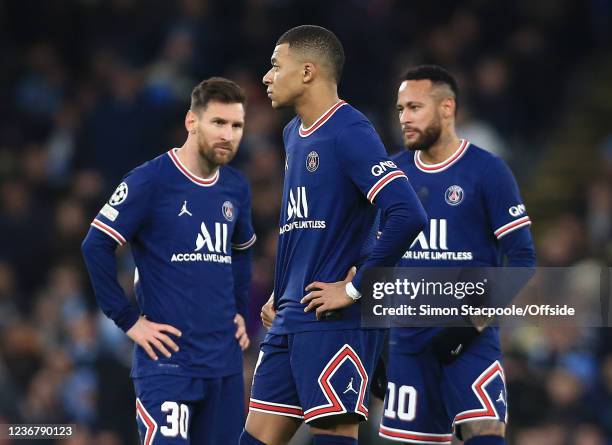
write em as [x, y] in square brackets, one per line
[89, 89]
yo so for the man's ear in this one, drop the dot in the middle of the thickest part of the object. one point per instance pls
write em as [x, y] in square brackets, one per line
[191, 122]
[448, 106]
[309, 71]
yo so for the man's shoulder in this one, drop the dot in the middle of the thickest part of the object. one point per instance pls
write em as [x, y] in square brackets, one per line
[484, 161]
[349, 116]
[149, 171]
[234, 177]
[403, 158]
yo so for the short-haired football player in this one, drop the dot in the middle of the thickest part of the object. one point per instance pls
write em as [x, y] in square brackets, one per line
[187, 217]
[445, 380]
[315, 362]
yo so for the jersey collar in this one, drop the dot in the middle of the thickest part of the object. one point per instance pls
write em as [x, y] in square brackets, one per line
[305, 132]
[204, 182]
[436, 168]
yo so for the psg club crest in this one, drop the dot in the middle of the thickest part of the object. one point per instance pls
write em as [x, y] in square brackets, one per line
[119, 195]
[228, 210]
[454, 195]
[312, 161]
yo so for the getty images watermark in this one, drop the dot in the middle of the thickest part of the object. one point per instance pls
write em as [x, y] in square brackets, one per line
[438, 297]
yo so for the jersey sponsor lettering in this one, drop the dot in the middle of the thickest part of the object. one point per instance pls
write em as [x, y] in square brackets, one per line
[297, 208]
[517, 210]
[434, 245]
[215, 245]
[383, 167]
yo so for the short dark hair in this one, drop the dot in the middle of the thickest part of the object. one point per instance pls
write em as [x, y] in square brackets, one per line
[437, 75]
[317, 40]
[216, 89]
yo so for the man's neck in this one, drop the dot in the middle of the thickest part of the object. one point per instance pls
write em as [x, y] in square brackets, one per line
[314, 103]
[195, 163]
[441, 150]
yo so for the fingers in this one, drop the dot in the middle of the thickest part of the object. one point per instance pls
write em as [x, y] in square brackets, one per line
[315, 302]
[167, 328]
[148, 349]
[310, 296]
[316, 285]
[160, 347]
[244, 341]
[240, 331]
[168, 341]
[351, 274]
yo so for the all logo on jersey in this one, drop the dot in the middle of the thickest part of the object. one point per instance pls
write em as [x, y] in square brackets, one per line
[228, 210]
[312, 161]
[433, 245]
[297, 205]
[454, 195]
[297, 212]
[209, 246]
[120, 194]
[218, 244]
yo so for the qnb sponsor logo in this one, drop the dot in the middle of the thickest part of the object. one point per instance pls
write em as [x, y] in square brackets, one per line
[382, 167]
[208, 248]
[434, 245]
[517, 210]
[297, 212]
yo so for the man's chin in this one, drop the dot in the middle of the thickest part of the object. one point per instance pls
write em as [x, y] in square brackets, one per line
[412, 145]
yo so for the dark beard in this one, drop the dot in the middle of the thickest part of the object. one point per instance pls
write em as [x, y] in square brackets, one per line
[211, 158]
[428, 137]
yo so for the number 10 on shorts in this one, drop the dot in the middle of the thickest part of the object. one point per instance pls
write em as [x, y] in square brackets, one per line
[406, 398]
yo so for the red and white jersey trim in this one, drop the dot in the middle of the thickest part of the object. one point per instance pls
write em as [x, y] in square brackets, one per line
[305, 132]
[335, 405]
[246, 245]
[204, 182]
[414, 436]
[512, 226]
[488, 410]
[382, 182]
[279, 409]
[436, 168]
[149, 422]
[109, 231]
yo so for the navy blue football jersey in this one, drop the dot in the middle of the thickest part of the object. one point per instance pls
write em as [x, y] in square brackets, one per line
[182, 229]
[334, 171]
[472, 201]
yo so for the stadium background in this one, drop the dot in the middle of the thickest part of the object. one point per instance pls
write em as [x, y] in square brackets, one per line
[91, 88]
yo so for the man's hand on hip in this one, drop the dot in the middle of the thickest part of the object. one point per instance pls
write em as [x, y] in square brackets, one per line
[150, 336]
[328, 296]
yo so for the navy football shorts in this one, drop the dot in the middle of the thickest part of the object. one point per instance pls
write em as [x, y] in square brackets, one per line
[177, 410]
[427, 401]
[310, 375]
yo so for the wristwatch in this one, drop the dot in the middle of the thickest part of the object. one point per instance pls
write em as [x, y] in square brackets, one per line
[353, 293]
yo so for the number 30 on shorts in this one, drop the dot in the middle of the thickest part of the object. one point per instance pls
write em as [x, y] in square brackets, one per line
[177, 419]
[401, 403]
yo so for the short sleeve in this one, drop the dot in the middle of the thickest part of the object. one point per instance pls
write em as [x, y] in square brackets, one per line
[127, 208]
[363, 157]
[244, 235]
[503, 200]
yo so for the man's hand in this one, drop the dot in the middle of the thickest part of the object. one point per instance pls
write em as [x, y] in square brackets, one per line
[241, 333]
[328, 296]
[268, 313]
[449, 343]
[148, 334]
